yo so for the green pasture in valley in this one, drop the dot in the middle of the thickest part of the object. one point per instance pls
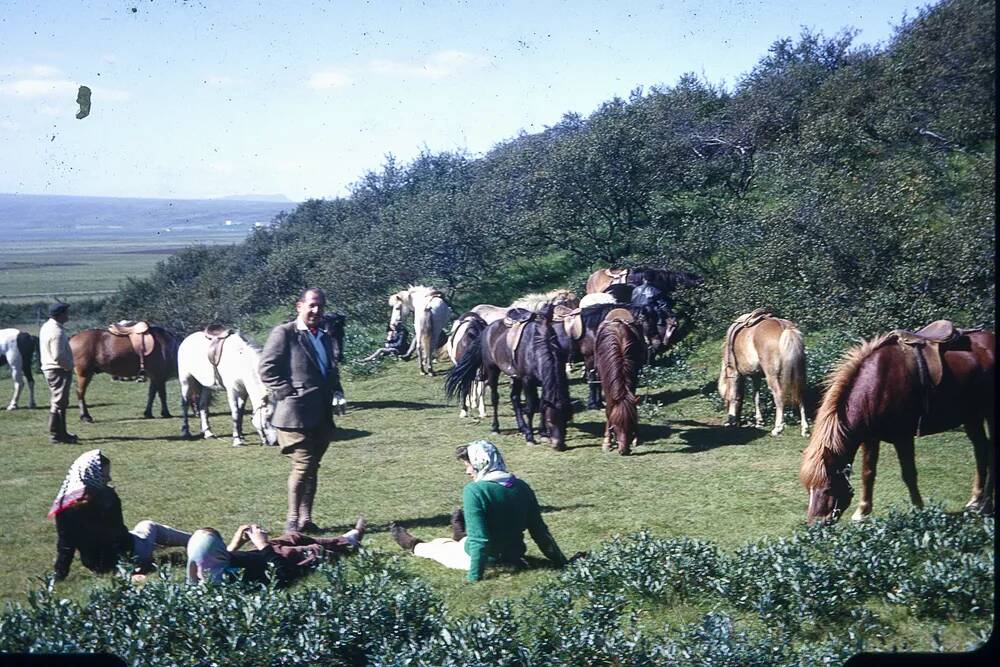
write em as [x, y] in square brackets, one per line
[393, 460]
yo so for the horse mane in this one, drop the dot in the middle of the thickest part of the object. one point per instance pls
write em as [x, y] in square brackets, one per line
[252, 345]
[829, 432]
[545, 345]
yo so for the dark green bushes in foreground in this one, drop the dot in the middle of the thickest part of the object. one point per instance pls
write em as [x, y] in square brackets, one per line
[806, 599]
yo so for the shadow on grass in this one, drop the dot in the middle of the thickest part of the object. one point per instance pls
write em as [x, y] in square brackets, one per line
[707, 438]
[667, 397]
[84, 439]
[444, 520]
[407, 405]
[349, 434]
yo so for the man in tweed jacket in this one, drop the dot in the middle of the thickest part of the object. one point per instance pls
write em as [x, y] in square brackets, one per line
[300, 371]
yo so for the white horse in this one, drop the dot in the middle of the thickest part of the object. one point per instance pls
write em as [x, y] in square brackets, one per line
[238, 372]
[430, 312]
[17, 349]
[489, 312]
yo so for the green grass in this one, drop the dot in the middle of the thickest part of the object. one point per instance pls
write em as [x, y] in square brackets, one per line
[37, 271]
[393, 461]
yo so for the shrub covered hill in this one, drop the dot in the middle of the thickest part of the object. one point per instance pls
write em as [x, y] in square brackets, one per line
[845, 186]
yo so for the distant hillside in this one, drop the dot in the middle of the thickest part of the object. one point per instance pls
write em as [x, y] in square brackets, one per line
[45, 217]
[261, 198]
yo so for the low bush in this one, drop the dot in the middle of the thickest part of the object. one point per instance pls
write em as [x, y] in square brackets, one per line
[809, 589]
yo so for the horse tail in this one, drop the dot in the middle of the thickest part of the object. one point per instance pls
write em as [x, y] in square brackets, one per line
[792, 355]
[26, 345]
[458, 381]
[615, 367]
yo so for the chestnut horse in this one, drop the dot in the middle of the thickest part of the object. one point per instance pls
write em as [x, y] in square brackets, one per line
[578, 337]
[760, 344]
[536, 361]
[100, 351]
[888, 390]
[620, 353]
[666, 280]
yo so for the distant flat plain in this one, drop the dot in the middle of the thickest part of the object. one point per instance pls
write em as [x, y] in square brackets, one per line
[86, 247]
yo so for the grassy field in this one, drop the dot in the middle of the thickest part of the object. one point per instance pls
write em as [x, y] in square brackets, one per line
[393, 461]
[38, 271]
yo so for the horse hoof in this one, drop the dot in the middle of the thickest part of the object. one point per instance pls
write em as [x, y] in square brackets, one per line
[12, 407]
[147, 415]
[87, 418]
[561, 447]
[165, 415]
[239, 444]
[777, 431]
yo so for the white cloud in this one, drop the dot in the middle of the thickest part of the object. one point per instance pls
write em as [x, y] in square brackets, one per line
[9, 125]
[53, 88]
[287, 165]
[438, 65]
[329, 79]
[44, 70]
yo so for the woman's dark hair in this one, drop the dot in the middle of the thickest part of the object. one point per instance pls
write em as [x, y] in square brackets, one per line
[462, 452]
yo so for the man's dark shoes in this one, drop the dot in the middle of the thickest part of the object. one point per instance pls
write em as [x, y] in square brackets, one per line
[310, 528]
[403, 537]
[457, 524]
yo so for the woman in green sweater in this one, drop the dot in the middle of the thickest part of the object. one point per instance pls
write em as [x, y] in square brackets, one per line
[497, 507]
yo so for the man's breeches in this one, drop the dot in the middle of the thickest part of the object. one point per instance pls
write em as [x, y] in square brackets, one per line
[59, 384]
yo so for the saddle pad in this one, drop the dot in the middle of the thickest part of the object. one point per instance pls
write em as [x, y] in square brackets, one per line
[127, 328]
[142, 343]
[623, 314]
[560, 312]
[517, 316]
[744, 321]
[753, 317]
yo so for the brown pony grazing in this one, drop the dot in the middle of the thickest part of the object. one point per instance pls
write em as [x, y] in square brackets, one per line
[620, 353]
[666, 280]
[100, 351]
[892, 389]
[758, 344]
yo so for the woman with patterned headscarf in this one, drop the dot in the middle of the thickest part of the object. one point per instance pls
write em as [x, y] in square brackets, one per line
[497, 508]
[88, 515]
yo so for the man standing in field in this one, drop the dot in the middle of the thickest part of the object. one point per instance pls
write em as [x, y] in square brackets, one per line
[57, 365]
[300, 371]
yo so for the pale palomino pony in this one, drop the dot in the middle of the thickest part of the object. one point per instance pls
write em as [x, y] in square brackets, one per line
[237, 372]
[430, 313]
[17, 350]
[489, 312]
[759, 344]
[556, 297]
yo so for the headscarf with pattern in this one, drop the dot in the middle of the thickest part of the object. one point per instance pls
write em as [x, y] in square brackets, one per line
[85, 473]
[488, 463]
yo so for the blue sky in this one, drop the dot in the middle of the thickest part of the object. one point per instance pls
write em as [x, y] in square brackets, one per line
[206, 99]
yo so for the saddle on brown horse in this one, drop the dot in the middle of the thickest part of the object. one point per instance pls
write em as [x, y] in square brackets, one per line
[744, 321]
[620, 314]
[143, 342]
[216, 335]
[514, 320]
[927, 345]
[617, 275]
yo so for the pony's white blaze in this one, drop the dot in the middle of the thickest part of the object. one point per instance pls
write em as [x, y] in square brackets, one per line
[430, 313]
[10, 351]
[238, 373]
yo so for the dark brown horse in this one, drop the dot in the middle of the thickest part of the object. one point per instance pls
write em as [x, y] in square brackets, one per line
[893, 389]
[578, 337]
[100, 351]
[537, 361]
[620, 353]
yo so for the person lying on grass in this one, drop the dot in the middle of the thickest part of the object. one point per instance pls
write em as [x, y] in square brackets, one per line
[497, 507]
[88, 516]
[292, 554]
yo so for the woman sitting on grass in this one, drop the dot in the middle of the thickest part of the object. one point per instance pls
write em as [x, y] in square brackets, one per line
[292, 554]
[88, 516]
[496, 509]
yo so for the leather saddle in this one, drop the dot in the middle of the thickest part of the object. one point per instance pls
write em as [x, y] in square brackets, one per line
[138, 334]
[514, 320]
[744, 321]
[620, 314]
[927, 344]
[573, 324]
[216, 335]
[617, 275]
